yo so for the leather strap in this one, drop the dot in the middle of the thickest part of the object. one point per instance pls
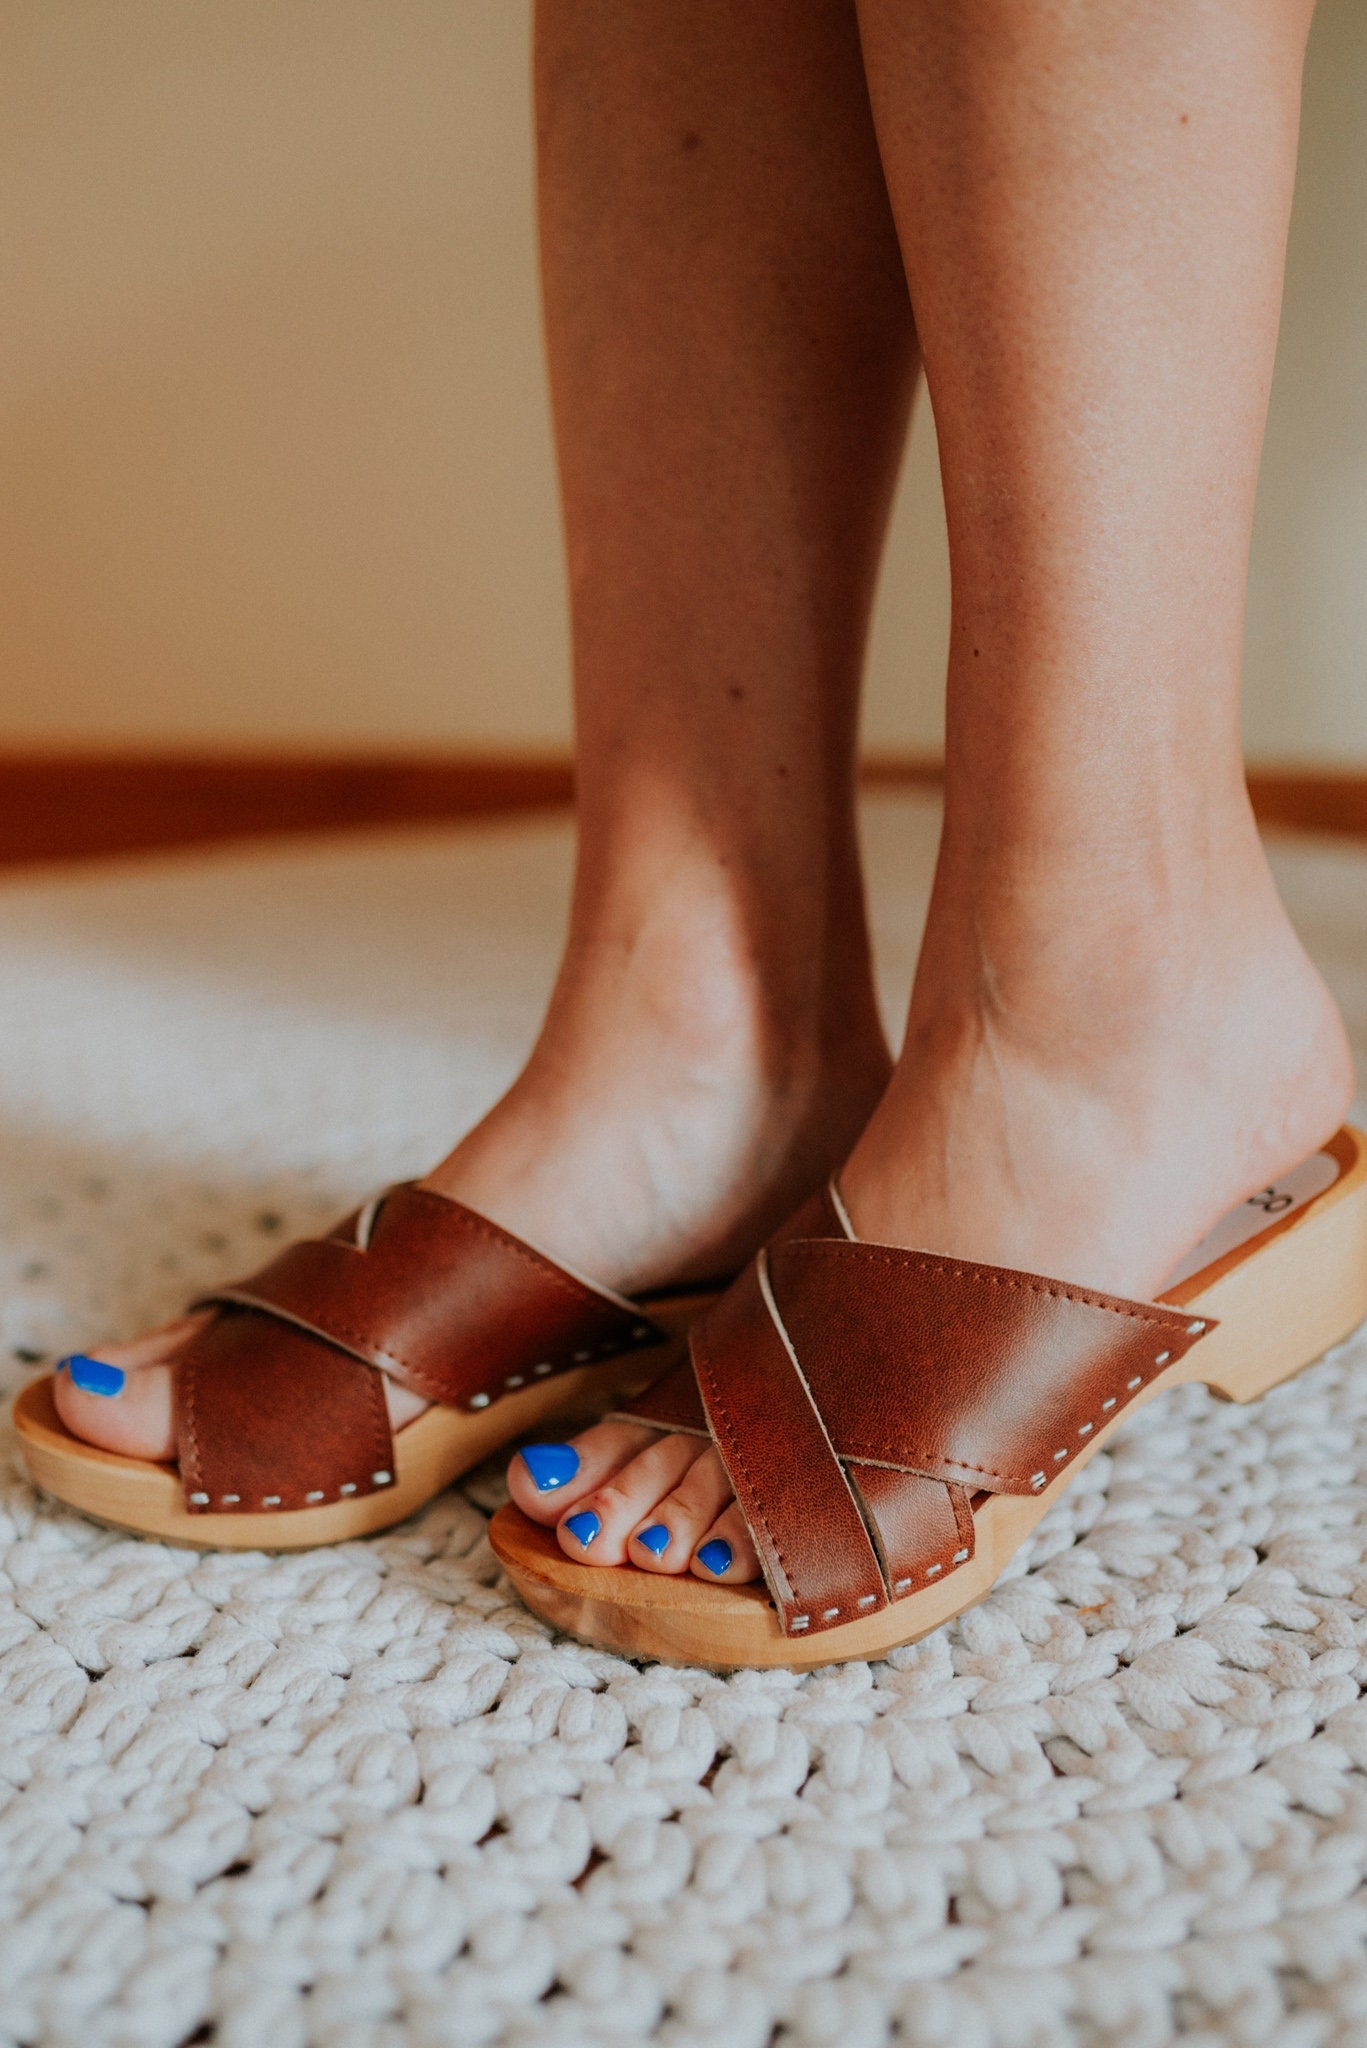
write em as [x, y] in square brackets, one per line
[443, 1300]
[811, 1539]
[268, 1418]
[912, 1380]
[977, 1374]
[279, 1398]
[673, 1402]
[917, 1523]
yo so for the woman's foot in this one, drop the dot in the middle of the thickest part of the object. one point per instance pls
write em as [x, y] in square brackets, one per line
[1062, 1106]
[669, 1118]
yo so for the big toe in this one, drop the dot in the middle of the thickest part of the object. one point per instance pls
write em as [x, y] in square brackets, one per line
[546, 1479]
[121, 1398]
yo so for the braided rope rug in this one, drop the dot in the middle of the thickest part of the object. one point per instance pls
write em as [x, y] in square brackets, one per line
[360, 1798]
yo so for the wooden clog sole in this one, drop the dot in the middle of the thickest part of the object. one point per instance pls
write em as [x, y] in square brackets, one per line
[434, 1449]
[1281, 1300]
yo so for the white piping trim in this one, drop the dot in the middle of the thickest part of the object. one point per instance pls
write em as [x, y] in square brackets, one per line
[383, 1361]
[622, 1301]
[841, 1211]
[766, 1290]
[665, 1428]
[365, 1222]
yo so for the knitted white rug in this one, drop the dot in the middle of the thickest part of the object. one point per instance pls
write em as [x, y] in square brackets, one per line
[360, 1799]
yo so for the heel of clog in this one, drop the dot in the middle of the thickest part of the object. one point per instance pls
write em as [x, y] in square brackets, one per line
[1303, 1291]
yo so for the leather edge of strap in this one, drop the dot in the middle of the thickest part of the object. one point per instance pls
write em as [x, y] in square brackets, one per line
[824, 1538]
[258, 1432]
[635, 1327]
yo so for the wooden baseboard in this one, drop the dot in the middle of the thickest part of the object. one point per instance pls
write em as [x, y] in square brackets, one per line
[69, 806]
[1304, 800]
[1293, 799]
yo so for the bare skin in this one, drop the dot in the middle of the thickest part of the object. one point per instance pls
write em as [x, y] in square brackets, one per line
[1114, 1034]
[735, 324]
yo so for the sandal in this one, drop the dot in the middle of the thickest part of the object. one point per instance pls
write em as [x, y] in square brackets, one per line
[933, 1410]
[283, 1432]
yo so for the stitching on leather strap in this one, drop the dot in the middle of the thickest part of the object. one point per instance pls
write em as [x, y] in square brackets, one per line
[186, 1376]
[872, 1530]
[343, 1338]
[364, 1347]
[861, 1454]
[547, 1267]
[983, 1275]
[664, 1428]
[381, 1454]
[776, 1318]
[700, 1358]
[472, 1220]
[383, 1438]
[702, 1365]
[366, 1355]
[963, 1515]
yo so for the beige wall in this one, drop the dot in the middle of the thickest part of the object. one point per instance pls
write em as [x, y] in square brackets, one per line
[274, 458]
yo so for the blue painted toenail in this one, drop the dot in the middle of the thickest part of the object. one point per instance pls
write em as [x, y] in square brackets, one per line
[92, 1375]
[583, 1527]
[550, 1465]
[715, 1557]
[655, 1539]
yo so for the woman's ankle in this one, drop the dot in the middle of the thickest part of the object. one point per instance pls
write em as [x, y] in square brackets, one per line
[1089, 1106]
[686, 1093]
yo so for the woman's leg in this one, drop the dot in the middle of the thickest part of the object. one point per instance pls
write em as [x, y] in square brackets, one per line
[731, 361]
[1114, 1034]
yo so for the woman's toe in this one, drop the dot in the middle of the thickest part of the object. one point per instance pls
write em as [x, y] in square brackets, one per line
[664, 1539]
[117, 1407]
[153, 1347]
[119, 1397]
[597, 1527]
[726, 1552]
[545, 1479]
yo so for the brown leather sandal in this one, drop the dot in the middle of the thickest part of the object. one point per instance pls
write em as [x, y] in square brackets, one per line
[283, 1432]
[894, 1424]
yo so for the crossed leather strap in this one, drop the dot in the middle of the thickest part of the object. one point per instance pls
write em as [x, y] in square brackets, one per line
[861, 1395]
[280, 1403]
